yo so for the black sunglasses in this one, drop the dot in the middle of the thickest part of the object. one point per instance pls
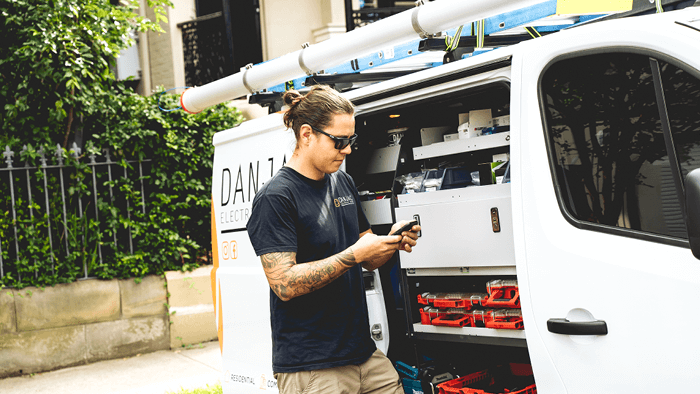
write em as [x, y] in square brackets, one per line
[340, 142]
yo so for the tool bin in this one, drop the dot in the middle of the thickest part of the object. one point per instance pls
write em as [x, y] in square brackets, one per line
[452, 300]
[502, 294]
[511, 319]
[509, 379]
[424, 380]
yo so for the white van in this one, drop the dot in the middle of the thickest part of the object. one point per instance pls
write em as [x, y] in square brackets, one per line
[578, 193]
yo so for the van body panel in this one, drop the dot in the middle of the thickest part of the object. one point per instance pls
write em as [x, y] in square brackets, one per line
[245, 158]
[585, 275]
[643, 288]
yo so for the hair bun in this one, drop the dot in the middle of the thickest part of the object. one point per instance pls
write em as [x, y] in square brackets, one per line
[292, 98]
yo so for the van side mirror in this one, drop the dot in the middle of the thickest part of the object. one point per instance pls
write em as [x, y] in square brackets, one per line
[692, 210]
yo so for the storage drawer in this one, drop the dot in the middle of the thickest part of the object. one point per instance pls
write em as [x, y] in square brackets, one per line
[460, 233]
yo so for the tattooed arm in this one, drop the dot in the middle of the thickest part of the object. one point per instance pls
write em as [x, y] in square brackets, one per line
[289, 279]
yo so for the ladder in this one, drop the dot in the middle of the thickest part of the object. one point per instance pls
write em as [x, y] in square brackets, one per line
[498, 23]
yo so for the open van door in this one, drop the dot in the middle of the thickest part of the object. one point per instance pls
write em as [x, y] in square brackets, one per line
[245, 158]
[607, 281]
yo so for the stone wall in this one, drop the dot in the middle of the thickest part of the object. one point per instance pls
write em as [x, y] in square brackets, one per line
[191, 307]
[93, 320]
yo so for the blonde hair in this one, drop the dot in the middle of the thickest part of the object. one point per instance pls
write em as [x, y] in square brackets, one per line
[316, 108]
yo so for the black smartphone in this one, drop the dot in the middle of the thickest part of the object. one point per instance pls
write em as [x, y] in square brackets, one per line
[407, 227]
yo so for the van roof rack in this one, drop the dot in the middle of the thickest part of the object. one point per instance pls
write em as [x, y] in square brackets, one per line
[506, 28]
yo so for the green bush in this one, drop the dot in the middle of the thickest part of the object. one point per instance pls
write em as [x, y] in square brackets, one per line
[172, 234]
[57, 86]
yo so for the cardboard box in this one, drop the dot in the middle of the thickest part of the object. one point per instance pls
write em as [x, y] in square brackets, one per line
[478, 120]
[451, 137]
[431, 135]
[463, 118]
[500, 158]
[501, 120]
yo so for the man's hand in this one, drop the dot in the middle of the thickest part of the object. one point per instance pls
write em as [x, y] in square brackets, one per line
[372, 247]
[409, 239]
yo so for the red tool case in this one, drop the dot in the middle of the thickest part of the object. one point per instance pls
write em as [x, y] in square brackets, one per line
[502, 294]
[452, 300]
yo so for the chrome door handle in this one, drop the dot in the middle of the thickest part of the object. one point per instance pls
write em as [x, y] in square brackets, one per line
[566, 327]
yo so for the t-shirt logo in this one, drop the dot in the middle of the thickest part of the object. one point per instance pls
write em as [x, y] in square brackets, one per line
[343, 201]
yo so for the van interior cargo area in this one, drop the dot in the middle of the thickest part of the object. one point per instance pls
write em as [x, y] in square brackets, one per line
[409, 161]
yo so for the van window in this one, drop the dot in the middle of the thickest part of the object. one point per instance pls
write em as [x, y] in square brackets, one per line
[682, 91]
[607, 145]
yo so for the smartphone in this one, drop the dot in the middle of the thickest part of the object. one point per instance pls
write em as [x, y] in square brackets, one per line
[407, 227]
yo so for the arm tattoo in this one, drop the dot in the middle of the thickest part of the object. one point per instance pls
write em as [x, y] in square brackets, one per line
[289, 279]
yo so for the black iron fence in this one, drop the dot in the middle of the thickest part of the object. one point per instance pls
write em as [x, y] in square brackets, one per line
[63, 213]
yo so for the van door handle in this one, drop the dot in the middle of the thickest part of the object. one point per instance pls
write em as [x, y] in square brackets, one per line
[566, 327]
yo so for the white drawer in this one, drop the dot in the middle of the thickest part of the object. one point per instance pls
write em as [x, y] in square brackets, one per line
[460, 233]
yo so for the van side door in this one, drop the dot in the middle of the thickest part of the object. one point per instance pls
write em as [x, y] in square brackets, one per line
[607, 278]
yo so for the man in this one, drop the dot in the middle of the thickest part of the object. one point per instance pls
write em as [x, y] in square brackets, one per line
[312, 237]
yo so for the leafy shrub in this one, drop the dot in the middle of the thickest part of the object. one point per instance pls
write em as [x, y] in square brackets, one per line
[93, 218]
[121, 238]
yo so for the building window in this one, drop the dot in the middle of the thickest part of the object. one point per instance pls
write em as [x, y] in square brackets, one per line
[607, 146]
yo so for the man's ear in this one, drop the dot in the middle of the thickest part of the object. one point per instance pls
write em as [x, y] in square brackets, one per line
[305, 133]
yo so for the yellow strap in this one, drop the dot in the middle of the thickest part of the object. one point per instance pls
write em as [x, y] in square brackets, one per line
[451, 43]
[533, 32]
[480, 27]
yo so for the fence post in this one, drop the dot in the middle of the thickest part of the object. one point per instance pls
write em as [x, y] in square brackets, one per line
[128, 211]
[111, 195]
[59, 161]
[29, 196]
[75, 154]
[8, 159]
[42, 158]
[93, 163]
[143, 193]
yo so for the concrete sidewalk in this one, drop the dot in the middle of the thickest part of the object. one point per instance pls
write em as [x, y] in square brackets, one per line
[160, 372]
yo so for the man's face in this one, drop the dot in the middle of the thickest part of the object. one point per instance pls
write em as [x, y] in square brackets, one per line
[326, 158]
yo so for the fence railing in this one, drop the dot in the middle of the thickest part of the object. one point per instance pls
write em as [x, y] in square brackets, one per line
[62, 207]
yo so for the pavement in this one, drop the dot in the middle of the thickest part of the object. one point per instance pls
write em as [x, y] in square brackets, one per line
[161, 372]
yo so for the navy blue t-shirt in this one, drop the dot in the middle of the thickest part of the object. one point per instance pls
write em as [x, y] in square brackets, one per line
[315, 219]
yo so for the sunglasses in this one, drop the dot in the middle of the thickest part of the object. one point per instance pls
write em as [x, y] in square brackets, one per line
[340, 142]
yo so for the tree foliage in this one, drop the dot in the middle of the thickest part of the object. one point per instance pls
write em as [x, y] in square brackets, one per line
[115, 228]
[55, 63]
[57, 87]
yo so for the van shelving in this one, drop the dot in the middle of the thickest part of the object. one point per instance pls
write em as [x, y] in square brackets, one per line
[437, 264]
[418, 287]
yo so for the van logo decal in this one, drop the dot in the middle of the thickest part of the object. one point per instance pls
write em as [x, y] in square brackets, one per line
[229, 250]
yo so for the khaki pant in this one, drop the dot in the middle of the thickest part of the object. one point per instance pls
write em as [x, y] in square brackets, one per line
[376, 376]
